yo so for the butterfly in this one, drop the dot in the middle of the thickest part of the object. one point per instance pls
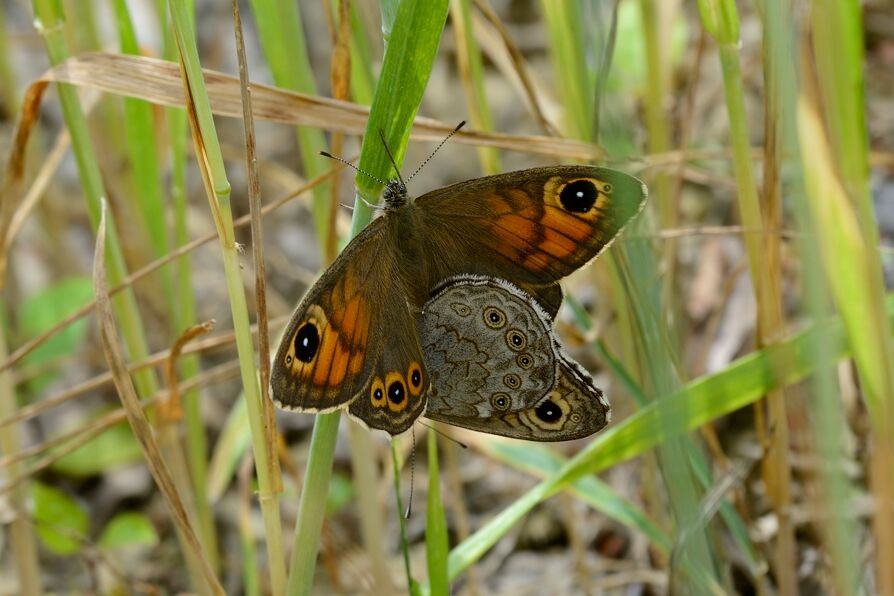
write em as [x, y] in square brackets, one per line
[495, 365]
[354, 339]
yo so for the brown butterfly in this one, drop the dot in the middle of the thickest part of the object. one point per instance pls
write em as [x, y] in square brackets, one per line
[354, 339]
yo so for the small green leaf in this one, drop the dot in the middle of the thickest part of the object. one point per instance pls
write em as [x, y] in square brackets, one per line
[46, 308]
[110, 449]
[128, 529]
[60, 520]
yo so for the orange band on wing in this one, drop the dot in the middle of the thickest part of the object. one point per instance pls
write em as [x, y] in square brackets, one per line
[557, 219]
[339, 367]
[328, 348]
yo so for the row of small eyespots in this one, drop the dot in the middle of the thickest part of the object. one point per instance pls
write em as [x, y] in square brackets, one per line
[393, 389]
[496, 319]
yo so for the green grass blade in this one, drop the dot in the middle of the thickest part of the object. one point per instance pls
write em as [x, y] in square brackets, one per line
[564, 25]
[852, 271]
[543, 462]
[721, 20]
[217, 189]
[471, 71]
[436, 547]
[363, 80]
[9, 98]
[281, 34]
[836, 491]
[405, 71]
[22, 539]
[700, 402]
[50, 21]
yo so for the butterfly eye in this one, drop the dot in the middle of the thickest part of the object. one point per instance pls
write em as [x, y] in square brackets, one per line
[516, 340]
[500, 401]
[494, 317]
[307, 342]
[579, 196]
[524, 361]
[512, 381]
[548, 411]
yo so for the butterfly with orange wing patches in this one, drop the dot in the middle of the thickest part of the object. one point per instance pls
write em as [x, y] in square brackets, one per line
[354, 339]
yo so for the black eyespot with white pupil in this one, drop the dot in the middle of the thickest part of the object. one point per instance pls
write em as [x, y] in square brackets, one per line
[516, 339]
[512, 381]
[548, 411]
[415, 378]
[307, 342]
[396, 392]
[494, 318]
[524, 361]
[377, 394]
[500, 401]
[579, 196]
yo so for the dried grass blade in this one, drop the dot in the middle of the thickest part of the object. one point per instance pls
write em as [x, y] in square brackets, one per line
[257, 243]
[112, 350]
[520, 66]
[71, 441]
[158, 81]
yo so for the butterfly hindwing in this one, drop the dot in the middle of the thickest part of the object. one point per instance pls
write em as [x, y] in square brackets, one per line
[488, 347]
[395, 395]
[469, 373]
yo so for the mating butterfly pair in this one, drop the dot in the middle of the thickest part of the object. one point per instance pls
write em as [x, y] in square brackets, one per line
[415, 315]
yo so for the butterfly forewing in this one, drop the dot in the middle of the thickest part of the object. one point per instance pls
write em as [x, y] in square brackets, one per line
[333, 340]
[532, 227]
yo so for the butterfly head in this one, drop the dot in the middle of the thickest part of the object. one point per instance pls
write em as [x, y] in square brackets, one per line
[395, 194]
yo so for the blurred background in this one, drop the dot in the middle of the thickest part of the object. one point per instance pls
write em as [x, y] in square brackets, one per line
[760, 480]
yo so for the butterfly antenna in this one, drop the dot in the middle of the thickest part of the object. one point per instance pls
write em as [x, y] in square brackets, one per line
[443, 434]
[412, 470]
[432, 154]
[391, 157]
[353, 167]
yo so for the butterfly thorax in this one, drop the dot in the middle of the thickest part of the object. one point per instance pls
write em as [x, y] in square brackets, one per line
[395, 194]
